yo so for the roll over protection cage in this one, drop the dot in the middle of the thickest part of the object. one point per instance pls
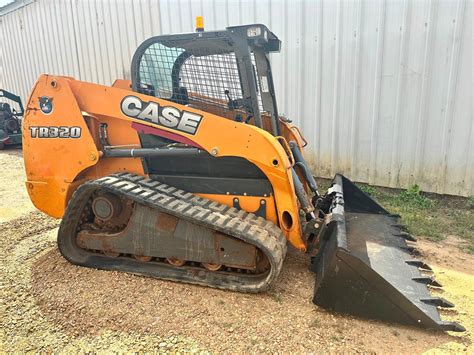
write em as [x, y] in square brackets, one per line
[250, 44]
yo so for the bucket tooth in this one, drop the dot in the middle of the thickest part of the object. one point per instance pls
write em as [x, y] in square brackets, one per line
[420, 264]
[363, 266]
[411, 249]
[427, 281]
[407, 236]
[438, 302]
[451, 326]
[402, 227]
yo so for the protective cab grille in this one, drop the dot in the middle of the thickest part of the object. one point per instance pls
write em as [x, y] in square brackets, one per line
[206, 81]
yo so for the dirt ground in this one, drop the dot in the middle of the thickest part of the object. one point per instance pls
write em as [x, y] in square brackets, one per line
[51, 305]
[13, 195]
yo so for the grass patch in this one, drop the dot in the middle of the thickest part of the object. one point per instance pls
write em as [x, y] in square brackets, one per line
[470, 201]
[414, 198]
[425, 214]
[369, 190]
[431, 216]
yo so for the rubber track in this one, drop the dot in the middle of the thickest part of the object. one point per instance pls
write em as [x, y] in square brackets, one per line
[210, 214]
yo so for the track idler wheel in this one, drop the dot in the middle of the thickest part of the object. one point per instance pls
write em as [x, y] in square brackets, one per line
[211, 266]
[106, 207]
[176, 261]
[143, 258]
[111, 254]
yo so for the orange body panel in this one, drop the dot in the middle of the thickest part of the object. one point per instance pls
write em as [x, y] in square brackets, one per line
[56, 166]
[248, 203]
[122, 84]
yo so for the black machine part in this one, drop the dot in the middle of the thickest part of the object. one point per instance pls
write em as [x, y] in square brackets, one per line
[10, 121]
[300, 192]
[364, 266]
[111, 152]
[303, 167]
[15, 98]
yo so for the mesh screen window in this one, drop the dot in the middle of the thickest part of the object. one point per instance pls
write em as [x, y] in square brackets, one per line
[156, 67]
[208, 78]
[204, 80]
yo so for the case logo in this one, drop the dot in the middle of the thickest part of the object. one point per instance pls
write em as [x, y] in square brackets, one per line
[46, 104]
[166, 116]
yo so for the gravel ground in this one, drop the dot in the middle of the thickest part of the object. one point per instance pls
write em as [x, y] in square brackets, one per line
[13, 195]
[51, 305]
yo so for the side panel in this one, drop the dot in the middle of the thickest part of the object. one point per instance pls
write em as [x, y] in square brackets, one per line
[52, 162]
[55, 166]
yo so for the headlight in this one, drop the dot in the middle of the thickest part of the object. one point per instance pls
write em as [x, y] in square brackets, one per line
[254, 31]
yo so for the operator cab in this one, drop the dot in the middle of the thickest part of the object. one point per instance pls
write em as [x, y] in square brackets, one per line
[226, 72]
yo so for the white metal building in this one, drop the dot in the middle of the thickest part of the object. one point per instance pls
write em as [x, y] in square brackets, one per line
[383, 90]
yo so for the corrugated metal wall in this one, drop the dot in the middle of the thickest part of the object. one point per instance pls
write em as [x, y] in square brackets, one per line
[382, 89]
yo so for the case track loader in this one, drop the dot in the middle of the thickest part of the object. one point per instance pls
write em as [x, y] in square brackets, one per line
[188, 173]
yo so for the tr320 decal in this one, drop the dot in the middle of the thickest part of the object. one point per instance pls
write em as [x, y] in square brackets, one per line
[55, 132]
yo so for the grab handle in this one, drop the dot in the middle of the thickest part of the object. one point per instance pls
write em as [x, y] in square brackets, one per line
[296, 128]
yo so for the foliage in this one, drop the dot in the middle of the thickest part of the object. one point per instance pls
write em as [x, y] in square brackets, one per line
[470, 201]
[369, 190]
[413, 197]
[431, 216]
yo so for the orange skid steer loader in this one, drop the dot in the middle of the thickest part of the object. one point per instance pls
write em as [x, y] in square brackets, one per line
[188, 173]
